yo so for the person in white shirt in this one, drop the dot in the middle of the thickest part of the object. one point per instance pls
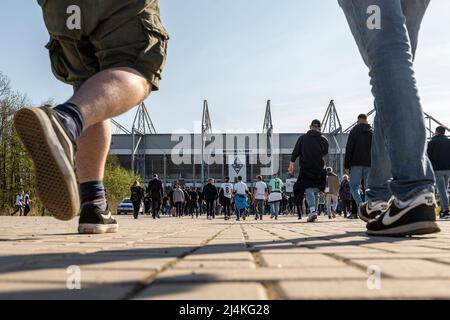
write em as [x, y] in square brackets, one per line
[241, 190]
[260, 196]
[227, 189]
[19, 204]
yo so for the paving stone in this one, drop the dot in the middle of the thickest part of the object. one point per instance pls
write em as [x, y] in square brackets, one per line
[204, 291]
[259, 274]
[408, 268]
[51, 291]
[300, 260]
[351, 289]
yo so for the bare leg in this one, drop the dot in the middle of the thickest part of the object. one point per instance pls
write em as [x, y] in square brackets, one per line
[93, 148]
[110, 93]
[107, 94]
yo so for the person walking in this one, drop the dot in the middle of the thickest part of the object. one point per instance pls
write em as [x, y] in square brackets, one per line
[332, 192]
[345, 196]
[311, 149]
[19, 204]
[193, 202]
[399, 167]
[227, 190]
[210, 194]
[240, 199]
[178, 199]
[147, 203]
[358, 161]
[275, 196]
[26, 203]
[156, 190]
[260, 195]
[137, 195]
[439, 154]
[113, 58]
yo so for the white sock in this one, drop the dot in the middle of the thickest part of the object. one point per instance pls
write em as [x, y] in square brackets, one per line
[312, 209]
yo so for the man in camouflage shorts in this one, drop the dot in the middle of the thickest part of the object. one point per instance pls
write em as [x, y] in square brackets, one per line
[112, 53]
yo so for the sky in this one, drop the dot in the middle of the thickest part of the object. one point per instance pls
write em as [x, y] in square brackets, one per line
[237, 54]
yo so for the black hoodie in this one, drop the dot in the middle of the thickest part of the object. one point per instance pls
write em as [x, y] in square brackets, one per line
[359, 146]
[439, 153]
[310, 149]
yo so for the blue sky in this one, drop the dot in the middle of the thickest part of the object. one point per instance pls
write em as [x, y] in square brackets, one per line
[239, 53]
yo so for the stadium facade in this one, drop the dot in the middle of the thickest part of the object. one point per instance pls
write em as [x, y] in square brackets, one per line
[178, 157]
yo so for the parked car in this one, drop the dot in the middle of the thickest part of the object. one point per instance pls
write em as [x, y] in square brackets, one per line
[126, 207]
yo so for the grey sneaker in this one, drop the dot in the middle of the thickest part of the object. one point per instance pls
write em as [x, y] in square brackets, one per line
[312, 217]
[53, 154]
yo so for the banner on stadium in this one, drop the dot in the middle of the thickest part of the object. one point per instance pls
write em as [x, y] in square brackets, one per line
[237, 166]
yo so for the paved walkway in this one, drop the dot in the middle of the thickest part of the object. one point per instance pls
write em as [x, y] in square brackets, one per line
[199, 259]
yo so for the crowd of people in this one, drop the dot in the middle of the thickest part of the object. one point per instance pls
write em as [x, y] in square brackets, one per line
[318, 190]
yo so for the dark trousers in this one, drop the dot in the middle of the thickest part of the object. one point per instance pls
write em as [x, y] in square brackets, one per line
[179, 206]
[26, 210]
[210, 208]
[193, 207]
[18, 209]
[346, 206]
[227, 206]
[156, 206]
[136, 208]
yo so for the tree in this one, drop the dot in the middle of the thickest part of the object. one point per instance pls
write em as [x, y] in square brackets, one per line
[117, 180]
[16, 169]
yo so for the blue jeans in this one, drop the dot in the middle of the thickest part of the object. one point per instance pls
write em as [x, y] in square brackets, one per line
[358, 174]
[399, 164]
[274, 208]
[442, 180]
[311, 198]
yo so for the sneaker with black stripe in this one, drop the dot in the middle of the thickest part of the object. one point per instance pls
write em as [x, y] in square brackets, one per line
[53, 155]
[406, 218]
[369, 210]
[93, 220]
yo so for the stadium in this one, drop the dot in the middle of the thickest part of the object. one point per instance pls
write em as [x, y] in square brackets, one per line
[177, 158]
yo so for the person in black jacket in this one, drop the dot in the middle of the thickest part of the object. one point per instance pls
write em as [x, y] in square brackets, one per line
[311, 149]
[439, 154]
[358, 156]
[193, 202]
[155, 188]
[210, 195]
[137, 194]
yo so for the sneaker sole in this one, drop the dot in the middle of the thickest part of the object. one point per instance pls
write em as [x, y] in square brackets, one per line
[413, 229]
[57, 185]
[87, 228]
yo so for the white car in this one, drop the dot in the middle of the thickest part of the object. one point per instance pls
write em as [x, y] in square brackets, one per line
[126, 207]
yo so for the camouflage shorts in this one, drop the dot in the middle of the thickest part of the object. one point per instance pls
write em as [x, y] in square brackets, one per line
[113, 33]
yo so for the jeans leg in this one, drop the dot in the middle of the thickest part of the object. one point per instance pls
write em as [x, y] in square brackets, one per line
[356, 176]
[276, 209]
[311, 199]
[388, 54]
[414, 11]
[442, 186]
